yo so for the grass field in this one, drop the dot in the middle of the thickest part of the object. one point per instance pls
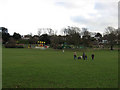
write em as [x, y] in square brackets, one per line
[34, 68]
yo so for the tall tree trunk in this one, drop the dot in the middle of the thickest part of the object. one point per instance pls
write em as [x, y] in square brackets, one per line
[111, 47]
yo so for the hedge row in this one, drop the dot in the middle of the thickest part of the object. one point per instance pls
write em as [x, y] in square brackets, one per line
[13, 46]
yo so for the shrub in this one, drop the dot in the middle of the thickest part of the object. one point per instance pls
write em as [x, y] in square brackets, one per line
[11, 43]
[10, 46]
[19, 45]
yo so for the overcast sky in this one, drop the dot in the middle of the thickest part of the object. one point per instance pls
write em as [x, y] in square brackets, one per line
[27, 16]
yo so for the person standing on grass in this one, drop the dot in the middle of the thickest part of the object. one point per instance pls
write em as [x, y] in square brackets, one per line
[92, 56]
[83, 56]
[75, 55]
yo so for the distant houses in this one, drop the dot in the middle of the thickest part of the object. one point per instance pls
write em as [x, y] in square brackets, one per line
[26, 37]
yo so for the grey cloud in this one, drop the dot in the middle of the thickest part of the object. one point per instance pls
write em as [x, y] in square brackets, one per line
[100, 6]
[95, 23]
[107, 8]
[108, 12]
[79, 19]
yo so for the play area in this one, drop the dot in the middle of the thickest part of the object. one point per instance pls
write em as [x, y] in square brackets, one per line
[39, 45]
[50, 68]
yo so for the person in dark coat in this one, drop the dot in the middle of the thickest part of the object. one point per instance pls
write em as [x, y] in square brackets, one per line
[83, 56]
[92, 56]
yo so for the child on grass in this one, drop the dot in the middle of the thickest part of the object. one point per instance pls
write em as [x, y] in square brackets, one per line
[75, 55]
[92, 56]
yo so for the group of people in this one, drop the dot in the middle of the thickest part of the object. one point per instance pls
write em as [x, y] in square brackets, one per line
[84, 56]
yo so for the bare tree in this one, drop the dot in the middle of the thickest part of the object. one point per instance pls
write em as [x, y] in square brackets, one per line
[72, 35]
[55, 32]
[85, 32]
[109, 30]
[39, 32]
[30, 34]
[71, 30]
[87, 40]
[50, 31]
[65, 31]
[110, 36]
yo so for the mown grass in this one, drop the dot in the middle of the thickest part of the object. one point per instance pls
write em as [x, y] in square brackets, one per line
[34, 68]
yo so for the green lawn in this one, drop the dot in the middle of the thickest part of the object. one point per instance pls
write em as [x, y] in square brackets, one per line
[34, 68]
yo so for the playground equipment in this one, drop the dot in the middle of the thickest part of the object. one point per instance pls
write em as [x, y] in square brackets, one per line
[29, 46]
[41, 45]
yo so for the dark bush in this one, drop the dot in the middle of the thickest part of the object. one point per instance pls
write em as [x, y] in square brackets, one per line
[59, 47]
[23, 41]
[19, 46]
[11, 43]
[13, 46]
[10, 46]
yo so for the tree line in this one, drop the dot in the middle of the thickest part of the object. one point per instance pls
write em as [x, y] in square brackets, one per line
[72, 36]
